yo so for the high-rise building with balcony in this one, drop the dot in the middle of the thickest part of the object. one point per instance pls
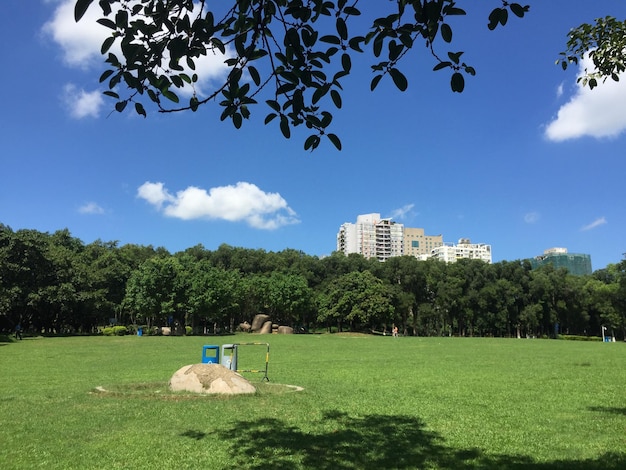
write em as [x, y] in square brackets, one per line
[372, 237]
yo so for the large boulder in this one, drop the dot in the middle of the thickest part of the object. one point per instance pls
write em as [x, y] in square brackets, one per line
[259, 320]
[285, 330]
[266, 329]
[210, 379]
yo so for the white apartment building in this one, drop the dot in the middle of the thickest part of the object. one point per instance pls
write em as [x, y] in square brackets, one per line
[372, 237]
[450, 253]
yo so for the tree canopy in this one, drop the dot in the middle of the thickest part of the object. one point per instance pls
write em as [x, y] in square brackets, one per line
[292, 54]
[604, 42]
[55, 283]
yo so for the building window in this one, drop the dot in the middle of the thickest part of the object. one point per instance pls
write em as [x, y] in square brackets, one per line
[415, 244]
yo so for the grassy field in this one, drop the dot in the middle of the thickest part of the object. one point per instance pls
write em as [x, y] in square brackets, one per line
[369, 402]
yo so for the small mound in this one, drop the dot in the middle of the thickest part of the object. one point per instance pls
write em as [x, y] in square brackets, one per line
[210, 379]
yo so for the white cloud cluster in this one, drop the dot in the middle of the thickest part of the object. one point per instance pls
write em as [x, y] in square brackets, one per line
[80, 45]
[595, 113]
[240, 202]
[91, 208]
[532, 217]
[80, 42]
[402, 212]
[81, 103]
[596, 223]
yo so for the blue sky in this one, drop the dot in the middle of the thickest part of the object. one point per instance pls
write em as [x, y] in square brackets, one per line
[523, 160]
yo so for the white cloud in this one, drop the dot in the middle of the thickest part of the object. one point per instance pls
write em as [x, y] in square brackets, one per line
[532, 217]
[155, 194]
[595, 113]
[90, 208]
[81, 103]
[559, 90]
[402, 212]
[240, 202]
[81, 42]
[596, 223]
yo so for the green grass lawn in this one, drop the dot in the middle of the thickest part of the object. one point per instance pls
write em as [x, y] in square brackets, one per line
[369, 402]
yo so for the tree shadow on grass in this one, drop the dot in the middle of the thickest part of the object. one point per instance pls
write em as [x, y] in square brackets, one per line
[342, 442]
[608, 409]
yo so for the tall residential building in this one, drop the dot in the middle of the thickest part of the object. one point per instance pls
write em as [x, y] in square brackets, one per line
[372, 237]
[419, 245]
[576, 263]
[450, 253]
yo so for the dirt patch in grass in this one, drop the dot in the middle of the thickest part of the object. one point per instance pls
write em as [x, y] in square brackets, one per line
[161, 391]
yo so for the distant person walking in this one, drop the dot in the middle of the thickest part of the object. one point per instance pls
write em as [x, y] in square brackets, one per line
[395, 331]
[18, 331]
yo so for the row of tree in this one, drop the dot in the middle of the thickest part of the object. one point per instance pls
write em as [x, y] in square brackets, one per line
[55, 283]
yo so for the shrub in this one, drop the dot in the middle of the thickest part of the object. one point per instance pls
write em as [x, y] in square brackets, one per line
[188, 330]
[119, 330]
[580, 338]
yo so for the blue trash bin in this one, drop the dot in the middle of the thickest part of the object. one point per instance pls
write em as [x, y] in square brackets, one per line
[139, 331]
[210, 354]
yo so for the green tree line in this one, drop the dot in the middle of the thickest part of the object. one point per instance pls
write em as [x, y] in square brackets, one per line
[55, 283]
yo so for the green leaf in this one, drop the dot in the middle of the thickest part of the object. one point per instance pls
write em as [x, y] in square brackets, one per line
[319, 93]
[140, 109]
[457, 82]
[395, 50]
[107, 23]
[106, 74]
[351, 11]
[446, 32]
[284, 126]
[120, 106]
[375, 82]
[170, 95]
[274, 105]
[504, 16]
[270, 117]
[494, 18]
[455, 56]
[330, 39]
[254, 74]
[336, 97]
[346, 63]
[106, 45]
[518, 9]
[441, 65]
[399, 79]
[112, 94]
[311, 142]
[342, 29]
[193, 103]
[81, 8]
[335, 140]
[237, 120]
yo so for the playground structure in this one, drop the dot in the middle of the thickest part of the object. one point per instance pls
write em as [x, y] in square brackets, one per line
[229, 357]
